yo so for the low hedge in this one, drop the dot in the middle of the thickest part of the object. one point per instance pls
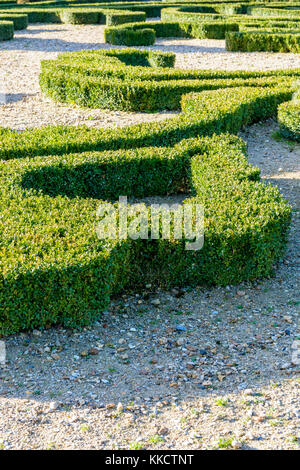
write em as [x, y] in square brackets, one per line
[217, 111]
[6, 30]
[271, 12]
[211, 29]
[289, 119]
[165, 60]
[205, 29]
[54, 269]
[114, 17]
[123, 80]
[80, 16]
[90, 14]
[130, 37]
[263, 41]
[182, 16]
[19, 21]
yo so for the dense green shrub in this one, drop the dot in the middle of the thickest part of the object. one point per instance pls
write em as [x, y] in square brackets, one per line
[157, 59]
[130, 37]
[80, 16]
[211, 30]
[270, 12]
[19, 21]
[117, 79]
[87, 14]
[120, 17]
[57, 271]
[217, 111]
[53, 268]
[6, 30]
[263, 41]
[205, 29]
[114, 13]
[183, 15]
[289, 119]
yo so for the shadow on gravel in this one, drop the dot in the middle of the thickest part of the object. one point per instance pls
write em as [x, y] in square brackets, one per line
[59, 45]
[15, 97]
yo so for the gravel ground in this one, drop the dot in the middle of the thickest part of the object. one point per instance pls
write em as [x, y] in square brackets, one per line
[194, 369]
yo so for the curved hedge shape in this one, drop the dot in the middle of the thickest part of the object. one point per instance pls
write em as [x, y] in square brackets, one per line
[19, 21]
[130, 36]
[264, 41]
[6, 30]
[54, 270]
[125, 80]
[289, 119]
[202, 30]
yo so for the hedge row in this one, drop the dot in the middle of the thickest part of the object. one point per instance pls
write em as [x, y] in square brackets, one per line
[129, 36]
[211, 30]
[19, 21]
[56, 271]
[263, 41]
[270, 12]
[86, 15]
[114, 13]
[6, 30]
[217, 111]
[289, 119]
[107, 79]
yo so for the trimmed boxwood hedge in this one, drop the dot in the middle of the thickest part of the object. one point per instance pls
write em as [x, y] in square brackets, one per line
[217, 111]
[271, 12]
[6, 30]
[114, 13]
[123, 80]
[80, 16]
[289, 119]
[264, 41]
[54, 269]
[89, 14]
[19, 21]
[114, 17]
[129, 36]
[206, 29]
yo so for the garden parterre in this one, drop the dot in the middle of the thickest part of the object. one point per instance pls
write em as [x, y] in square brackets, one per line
[196, 19]
[54, 268]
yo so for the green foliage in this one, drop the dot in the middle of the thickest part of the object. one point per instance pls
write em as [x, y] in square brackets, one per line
[73, 14]
[114, 17]
[289, 119]
[6, 30]
[56, 271]
[130, 37]
[131, 81]
[53, 268]
[80, 16]
[19, 21]
[216, 111]
[205, 29]
[277, 12]
[288, 41]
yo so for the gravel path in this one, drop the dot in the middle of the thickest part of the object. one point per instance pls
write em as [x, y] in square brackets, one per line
[195, 369]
